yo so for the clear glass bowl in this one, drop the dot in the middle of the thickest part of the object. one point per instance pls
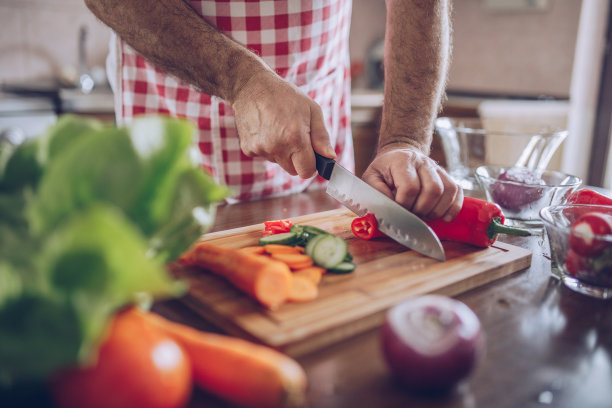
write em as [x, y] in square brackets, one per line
[469, 142]
[590, 275]
[522, 201]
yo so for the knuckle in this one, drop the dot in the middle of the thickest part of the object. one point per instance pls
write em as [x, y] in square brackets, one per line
[433, 190]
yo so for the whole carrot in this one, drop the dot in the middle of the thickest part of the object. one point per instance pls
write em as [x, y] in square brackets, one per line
[266, 280]
[239, 371]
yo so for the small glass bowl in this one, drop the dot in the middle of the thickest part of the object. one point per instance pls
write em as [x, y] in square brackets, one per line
[522, 201]
[589, 275]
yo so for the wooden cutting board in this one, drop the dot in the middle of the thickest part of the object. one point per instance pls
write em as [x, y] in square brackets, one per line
[386, 274]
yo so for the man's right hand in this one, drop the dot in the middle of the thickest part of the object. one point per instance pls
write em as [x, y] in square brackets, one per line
[277, 121]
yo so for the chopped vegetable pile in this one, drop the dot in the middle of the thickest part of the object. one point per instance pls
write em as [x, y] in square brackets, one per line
[89, 216]
[326, 250]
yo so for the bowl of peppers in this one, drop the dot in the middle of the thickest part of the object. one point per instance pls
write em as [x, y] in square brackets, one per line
[580, 237]
[522, 192]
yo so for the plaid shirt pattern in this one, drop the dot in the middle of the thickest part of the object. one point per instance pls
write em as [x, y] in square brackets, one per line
[304, 41]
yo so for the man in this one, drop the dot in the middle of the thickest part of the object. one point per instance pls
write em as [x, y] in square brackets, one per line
[268, 83]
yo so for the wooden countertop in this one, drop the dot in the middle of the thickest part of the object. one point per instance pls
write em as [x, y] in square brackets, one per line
[546, 345]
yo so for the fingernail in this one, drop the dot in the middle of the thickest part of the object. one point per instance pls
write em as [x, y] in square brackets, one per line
[447, 218]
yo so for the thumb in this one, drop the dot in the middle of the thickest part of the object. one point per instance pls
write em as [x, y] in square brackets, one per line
[318, 133]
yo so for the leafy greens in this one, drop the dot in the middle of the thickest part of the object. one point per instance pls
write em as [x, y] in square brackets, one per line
[90, 214]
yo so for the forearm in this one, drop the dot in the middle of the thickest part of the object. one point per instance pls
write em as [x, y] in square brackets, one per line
[417, 48]
[171, 35]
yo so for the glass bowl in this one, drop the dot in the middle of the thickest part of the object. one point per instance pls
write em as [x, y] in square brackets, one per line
[581, 271]
[522, 200]
[471, 142]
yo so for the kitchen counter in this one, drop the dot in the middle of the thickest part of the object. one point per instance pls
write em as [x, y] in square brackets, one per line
[546, 345]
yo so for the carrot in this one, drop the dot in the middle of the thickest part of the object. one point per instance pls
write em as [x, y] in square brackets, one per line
[312, 273]
[294, 261]
[255, 250]
[283, 249]
[266, 280]
[302, 290]
[239, 371]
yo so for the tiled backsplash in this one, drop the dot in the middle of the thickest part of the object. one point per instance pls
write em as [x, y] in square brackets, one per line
[513, 52]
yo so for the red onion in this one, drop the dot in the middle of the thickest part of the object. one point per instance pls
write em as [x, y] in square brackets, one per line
[431, 342]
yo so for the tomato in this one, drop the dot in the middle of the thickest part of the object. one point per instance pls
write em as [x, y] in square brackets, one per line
[138, 366]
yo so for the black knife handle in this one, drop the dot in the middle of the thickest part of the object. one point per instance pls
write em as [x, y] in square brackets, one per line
[324, 166]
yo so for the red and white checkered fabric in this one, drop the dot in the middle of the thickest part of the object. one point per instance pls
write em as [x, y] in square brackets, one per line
[304, 41]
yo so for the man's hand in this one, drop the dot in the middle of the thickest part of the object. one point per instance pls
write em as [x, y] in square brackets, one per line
[416, 182]
[278, 122]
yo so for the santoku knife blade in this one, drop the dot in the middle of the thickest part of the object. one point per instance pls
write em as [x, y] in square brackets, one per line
[393, 219]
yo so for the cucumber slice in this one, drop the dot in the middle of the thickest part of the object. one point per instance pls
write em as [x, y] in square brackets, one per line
[329, 251]
[343, 267]
[313, 230]
[306, 232]
[284, 238]
[312, 242]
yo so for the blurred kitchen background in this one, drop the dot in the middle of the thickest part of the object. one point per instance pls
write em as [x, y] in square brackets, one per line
[516, 61]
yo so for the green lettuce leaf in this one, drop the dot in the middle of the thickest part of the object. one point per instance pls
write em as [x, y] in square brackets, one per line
[89, 231]
[99, 260]
[38, 335]
[102, 167]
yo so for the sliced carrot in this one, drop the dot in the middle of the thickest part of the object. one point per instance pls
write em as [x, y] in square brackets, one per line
[283, 249]
[239, 371]
[255, 250]
[268, 281]
[302, 290]
[294, 261]
[312, 273]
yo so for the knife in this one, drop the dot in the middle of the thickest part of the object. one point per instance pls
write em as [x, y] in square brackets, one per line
[393, 219]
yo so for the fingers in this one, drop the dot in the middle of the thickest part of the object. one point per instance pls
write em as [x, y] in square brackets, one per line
[420, 185]
[303, 160]
[440, 196]
[302, 156]
[318, 133]
[284, 127]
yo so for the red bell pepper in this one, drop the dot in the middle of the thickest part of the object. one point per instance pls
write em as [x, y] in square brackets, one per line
[277, 227]
[478, 223]
[582, 230]
[588, 196]
[366, 227]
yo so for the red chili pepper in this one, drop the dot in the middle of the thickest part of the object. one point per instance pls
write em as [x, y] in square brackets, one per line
[366, 227]
[581, 235]
[277, 227]
[478, 223]
[588, 196]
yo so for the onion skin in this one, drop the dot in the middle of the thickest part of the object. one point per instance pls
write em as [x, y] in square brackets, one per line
[516, 196]
[432, 354]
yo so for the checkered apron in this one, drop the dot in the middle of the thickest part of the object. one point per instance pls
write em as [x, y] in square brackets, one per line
[304, 41]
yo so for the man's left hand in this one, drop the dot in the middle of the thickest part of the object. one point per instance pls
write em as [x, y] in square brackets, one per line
[416, 182]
